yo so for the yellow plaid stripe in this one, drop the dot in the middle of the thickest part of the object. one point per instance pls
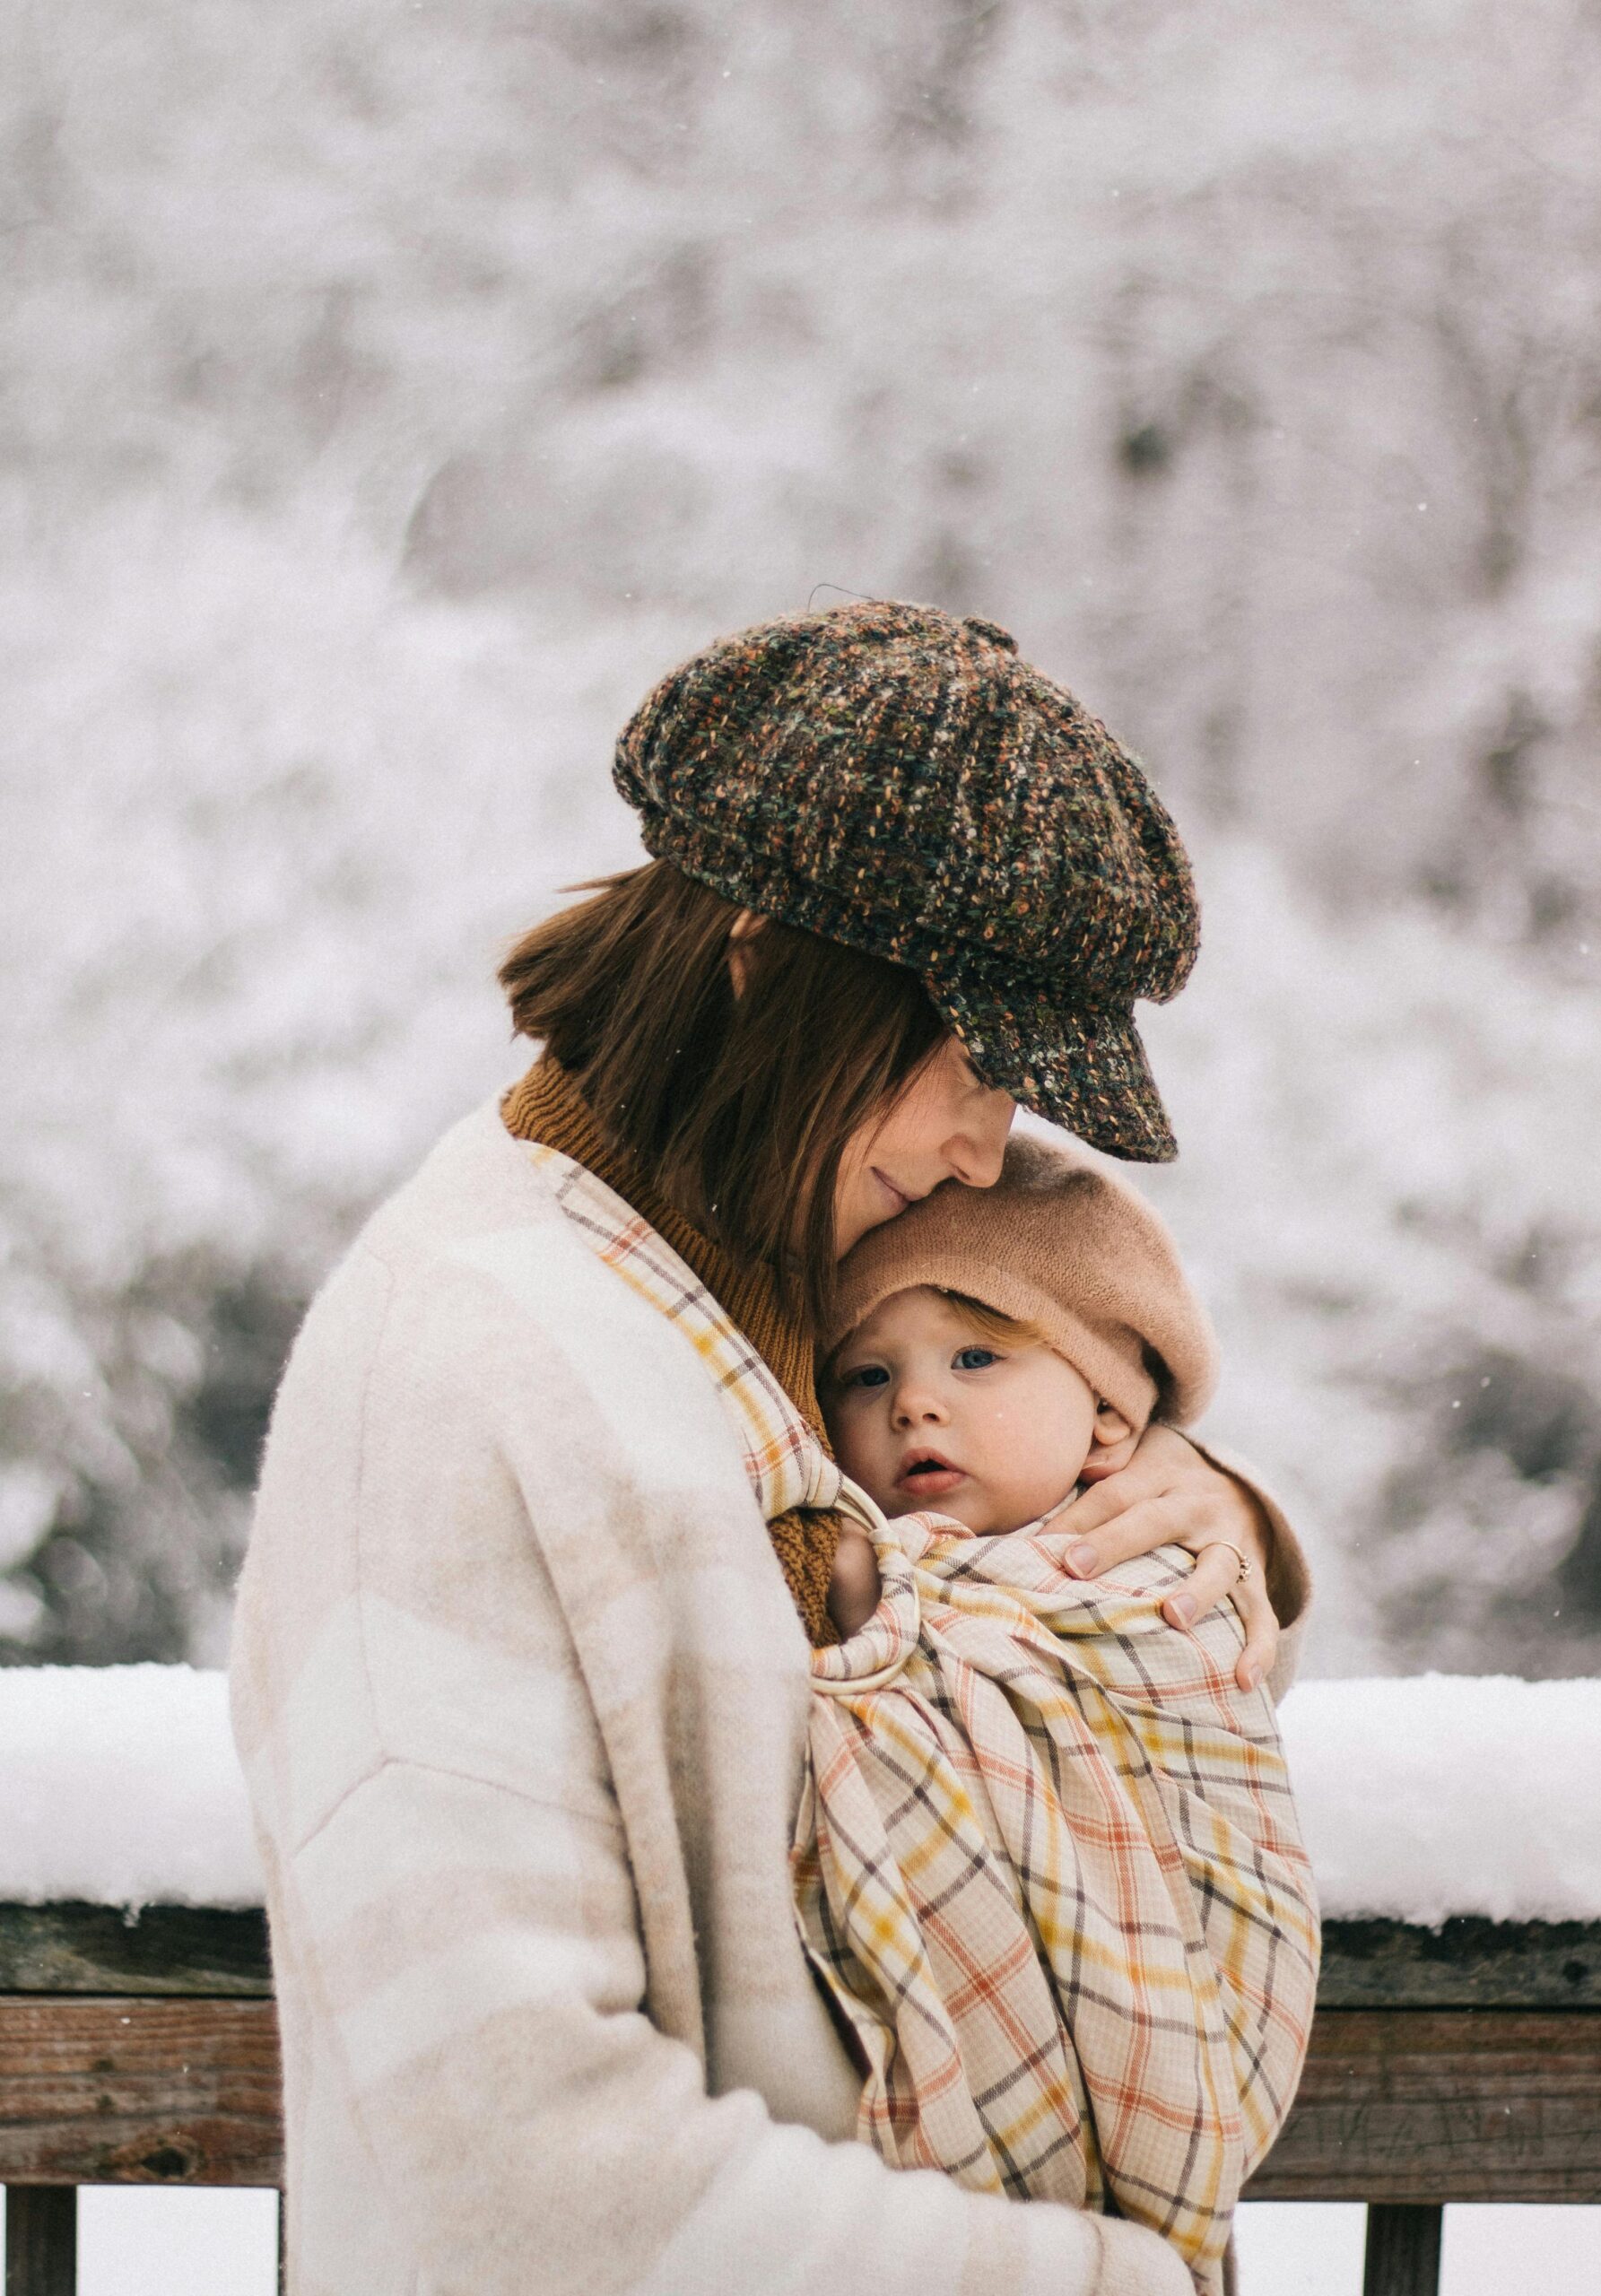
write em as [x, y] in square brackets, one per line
[1047, 1861]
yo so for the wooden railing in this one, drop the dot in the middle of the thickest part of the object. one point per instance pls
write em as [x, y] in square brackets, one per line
[1459, 2065]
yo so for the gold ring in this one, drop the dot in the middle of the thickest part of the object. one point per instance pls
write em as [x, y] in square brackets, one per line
[1244, 1561]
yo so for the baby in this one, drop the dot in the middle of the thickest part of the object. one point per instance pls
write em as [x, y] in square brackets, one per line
[996, 1341]
[1046, 1863]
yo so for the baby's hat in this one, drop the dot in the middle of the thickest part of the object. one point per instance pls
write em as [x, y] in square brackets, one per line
[1060, 1243]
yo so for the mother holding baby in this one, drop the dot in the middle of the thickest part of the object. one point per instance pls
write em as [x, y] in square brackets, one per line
[549, 1523]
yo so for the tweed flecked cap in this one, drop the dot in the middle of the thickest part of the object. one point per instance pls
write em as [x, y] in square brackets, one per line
[1063, 1244]
[896, 779]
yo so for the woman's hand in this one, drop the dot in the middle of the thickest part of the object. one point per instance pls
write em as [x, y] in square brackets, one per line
[1168, 1495]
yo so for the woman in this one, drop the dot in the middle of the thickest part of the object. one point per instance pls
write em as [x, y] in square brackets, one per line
[520, 1670]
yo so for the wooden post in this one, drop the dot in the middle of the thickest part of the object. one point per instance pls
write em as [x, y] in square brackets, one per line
[41, 2240]
[1402, 2255]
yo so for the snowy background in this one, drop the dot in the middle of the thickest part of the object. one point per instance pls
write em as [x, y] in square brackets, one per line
[388, 395]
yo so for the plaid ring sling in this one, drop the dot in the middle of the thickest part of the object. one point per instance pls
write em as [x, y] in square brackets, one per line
[1047, 1862]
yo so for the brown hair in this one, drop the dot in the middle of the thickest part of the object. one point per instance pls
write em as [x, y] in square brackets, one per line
[739, 1107]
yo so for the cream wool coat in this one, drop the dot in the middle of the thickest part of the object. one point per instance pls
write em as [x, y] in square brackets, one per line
[521, 1699]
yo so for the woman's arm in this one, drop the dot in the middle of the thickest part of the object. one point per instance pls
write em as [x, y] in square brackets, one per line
[1175, 1493]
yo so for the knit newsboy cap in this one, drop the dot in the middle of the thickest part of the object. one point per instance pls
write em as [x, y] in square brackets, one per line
[896, 779]
[1062, 1244]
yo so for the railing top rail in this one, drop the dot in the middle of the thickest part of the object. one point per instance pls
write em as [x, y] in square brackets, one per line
[210, 1953]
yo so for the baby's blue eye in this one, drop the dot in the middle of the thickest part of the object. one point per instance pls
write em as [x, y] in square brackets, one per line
[870, 1375]
[975, 1359]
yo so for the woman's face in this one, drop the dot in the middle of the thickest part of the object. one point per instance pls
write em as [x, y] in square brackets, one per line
[946, 1125]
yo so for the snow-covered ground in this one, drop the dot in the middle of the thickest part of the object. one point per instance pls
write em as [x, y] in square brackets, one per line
[1422, 1796]
[1316, 2249]
[135, 2243]
[138, 2242]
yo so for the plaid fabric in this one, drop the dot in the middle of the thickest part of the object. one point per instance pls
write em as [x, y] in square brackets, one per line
[786, 1464]
[1049, 1866]
[1045, 1861]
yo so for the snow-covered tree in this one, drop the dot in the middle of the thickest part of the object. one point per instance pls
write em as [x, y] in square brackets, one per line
[389, 395]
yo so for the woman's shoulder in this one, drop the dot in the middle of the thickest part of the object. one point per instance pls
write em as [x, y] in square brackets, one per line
[471, 1185]
[474, 1180]
[476, 1201]
[471, 1290]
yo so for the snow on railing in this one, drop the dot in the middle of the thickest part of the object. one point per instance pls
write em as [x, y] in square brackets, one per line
[1427, 1796]
[120, 1786]
[1421, 1798]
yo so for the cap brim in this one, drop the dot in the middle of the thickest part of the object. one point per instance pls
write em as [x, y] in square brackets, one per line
[1085, 1070]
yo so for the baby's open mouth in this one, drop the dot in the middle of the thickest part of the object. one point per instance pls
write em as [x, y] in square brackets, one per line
[927, 1476]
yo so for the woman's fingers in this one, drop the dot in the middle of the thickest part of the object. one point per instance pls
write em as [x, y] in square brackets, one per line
[1261, 1632]
[1135, 1527]
[1110, 1500]
[1168, 1493]
[1216, 1574]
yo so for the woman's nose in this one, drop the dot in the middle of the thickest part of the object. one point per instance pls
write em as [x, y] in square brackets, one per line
[977, 1153]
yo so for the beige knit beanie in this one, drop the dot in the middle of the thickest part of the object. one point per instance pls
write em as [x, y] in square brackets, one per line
[1060, 1243]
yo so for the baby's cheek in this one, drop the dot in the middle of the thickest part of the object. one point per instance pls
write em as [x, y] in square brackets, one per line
[1040, 1464]
[854, 1453]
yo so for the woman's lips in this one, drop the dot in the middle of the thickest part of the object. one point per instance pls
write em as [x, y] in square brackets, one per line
[890, 1189]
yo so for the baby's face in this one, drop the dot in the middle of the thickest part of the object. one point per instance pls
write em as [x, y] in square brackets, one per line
[926, 1413]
